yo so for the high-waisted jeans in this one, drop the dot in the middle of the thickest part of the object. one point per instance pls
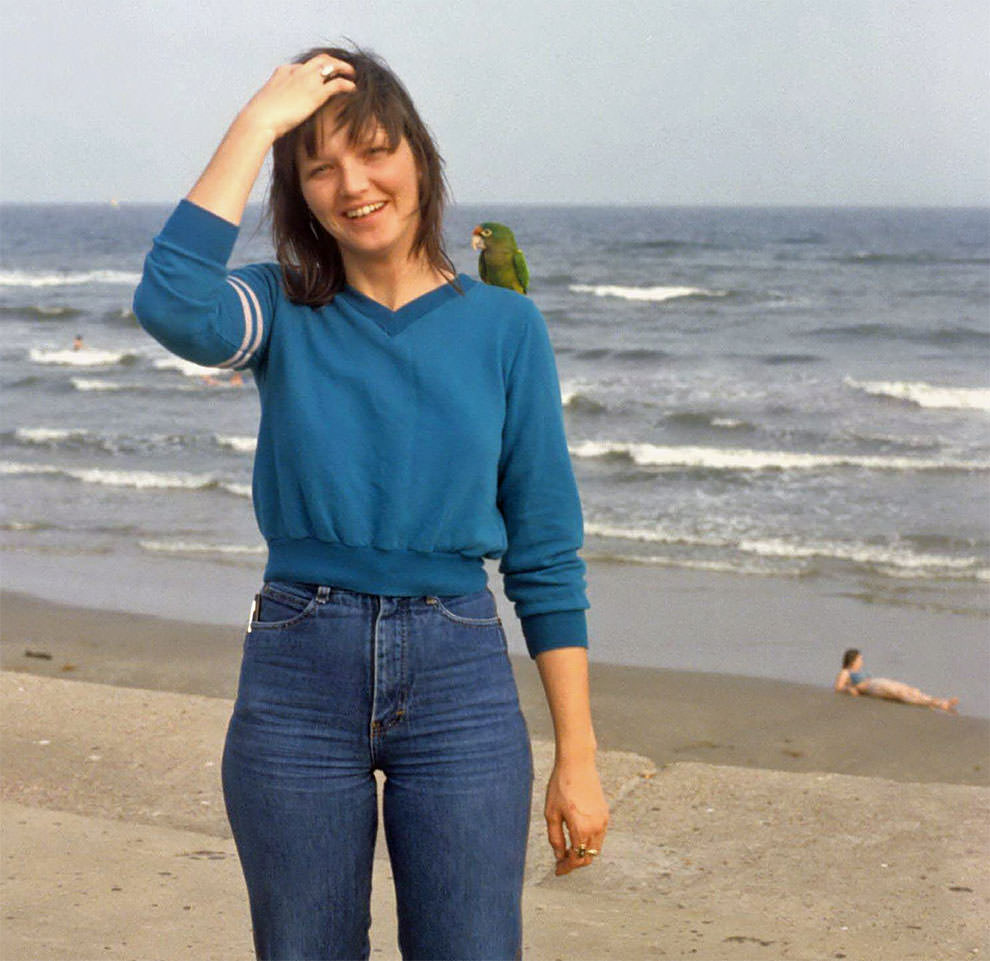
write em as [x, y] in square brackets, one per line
[335, 684]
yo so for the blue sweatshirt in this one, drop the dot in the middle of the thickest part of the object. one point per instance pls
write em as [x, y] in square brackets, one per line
[396, 449]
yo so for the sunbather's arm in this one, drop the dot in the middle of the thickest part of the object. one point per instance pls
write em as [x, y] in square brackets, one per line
[843, 683]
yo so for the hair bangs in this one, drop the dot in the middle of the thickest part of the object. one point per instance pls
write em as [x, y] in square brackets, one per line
[364, 111]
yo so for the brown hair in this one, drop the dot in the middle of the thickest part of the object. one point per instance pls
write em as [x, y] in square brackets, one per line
[312, 268]
[849, 657]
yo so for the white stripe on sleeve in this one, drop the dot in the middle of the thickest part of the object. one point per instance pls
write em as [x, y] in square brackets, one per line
[252, 324]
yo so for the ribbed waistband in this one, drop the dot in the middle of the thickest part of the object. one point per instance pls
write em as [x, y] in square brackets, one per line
[372, 570]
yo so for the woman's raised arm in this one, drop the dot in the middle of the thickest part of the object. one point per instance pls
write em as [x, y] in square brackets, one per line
[187, 298]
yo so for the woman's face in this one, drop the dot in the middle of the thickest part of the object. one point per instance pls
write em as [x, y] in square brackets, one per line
[365, 197]
[857, 663]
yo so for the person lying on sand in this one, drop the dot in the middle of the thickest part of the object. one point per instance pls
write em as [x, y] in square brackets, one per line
[852, 680]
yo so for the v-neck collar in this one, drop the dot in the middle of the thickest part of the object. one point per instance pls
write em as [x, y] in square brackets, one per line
[395, 321]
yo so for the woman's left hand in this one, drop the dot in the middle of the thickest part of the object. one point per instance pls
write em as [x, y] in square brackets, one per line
[575, 798]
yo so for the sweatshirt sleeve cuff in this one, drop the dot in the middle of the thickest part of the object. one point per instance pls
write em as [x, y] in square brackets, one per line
[200, 231]
[544, 632]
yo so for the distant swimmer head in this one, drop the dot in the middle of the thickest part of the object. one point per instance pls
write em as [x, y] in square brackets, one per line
[312, 213]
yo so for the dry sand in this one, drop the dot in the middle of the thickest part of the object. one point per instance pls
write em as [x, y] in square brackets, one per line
[749, 818]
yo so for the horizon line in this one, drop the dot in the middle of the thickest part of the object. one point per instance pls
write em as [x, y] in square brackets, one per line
[113, 202]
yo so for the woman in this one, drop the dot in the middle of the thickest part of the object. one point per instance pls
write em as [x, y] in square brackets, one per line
[411, 425]
[852, 680]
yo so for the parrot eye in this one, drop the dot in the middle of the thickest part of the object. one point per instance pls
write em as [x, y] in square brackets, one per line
[486, 233]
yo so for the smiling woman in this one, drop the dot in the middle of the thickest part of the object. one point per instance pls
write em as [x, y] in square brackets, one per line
[411, 426]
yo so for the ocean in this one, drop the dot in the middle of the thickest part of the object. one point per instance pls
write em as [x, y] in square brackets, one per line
[795, 393]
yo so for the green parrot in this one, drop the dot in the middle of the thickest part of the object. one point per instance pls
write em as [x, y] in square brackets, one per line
[500, 263]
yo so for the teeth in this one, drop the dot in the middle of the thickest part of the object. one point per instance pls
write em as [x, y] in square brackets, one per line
[365, 210]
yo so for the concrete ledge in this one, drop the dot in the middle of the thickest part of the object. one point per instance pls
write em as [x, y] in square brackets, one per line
[116, 845]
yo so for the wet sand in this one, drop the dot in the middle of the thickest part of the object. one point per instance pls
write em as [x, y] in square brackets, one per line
[790, 629]
[665, 715]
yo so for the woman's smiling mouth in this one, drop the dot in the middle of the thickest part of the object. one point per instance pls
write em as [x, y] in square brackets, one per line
[364, 211]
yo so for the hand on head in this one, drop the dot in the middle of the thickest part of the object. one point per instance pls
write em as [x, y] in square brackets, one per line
[296, 90]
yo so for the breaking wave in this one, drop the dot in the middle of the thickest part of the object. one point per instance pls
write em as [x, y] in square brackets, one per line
[139, 479]
[39, 312]
[736, 554]
[87, 357]
[186, 367]
[926, 395]
[64, 278]
[241, 444]
[741, 459]
[652, 294]
[195, 547]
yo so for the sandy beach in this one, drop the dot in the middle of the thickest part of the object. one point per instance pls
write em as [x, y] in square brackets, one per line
[751, 818]
[779, 629]
[665, 715]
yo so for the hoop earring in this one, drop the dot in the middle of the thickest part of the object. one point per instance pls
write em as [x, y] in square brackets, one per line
[312, 226]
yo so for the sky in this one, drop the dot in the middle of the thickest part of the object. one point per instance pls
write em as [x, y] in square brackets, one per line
[661, 102]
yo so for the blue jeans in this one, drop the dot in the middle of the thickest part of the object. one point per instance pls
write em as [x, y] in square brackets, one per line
[335, 684]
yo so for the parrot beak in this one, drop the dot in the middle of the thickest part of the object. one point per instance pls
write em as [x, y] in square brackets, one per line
[477, 242]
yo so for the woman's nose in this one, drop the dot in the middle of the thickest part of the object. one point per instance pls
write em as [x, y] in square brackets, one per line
[353, 178]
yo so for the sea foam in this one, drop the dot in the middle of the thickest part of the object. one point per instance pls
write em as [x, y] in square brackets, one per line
[140, 479]
[87, 357]
[926, 395]
[787, 556]
[870, 555]
[578, 395]
[186, 367]
[49, 436]
[72, 437]
[31, 278]
[89, 383]
[93, 383]
[741, 459]
[655, 535]
[717, 567]
[654, 294]
[241, 444]
[196, 547]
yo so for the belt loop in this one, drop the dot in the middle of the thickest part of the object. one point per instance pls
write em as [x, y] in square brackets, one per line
[323, 593]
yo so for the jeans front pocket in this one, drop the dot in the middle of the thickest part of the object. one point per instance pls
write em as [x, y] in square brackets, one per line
[283, 605]
[474, 610]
